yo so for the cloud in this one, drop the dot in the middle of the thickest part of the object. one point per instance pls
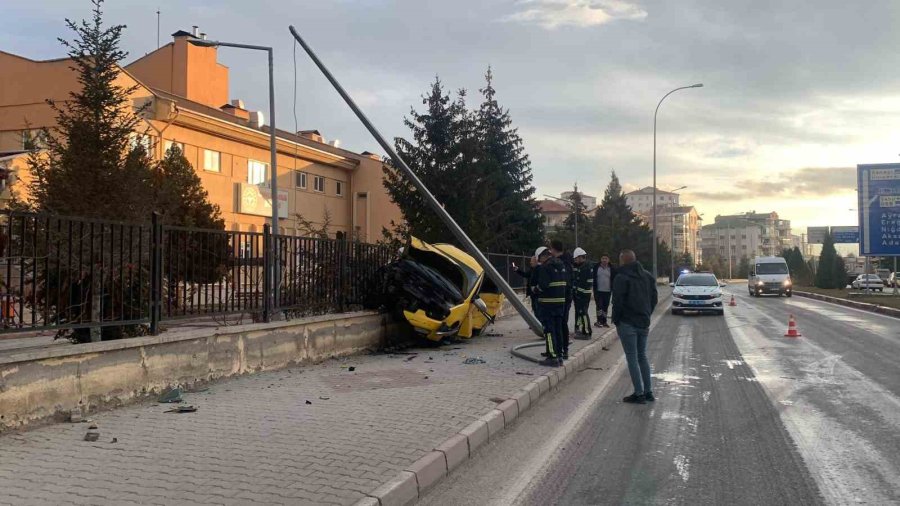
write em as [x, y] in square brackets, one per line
[816, 182]
[552, 14]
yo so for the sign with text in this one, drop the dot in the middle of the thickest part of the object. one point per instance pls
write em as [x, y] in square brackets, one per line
[257, 200]
[845, 235]
[879, 209]
[816, 235]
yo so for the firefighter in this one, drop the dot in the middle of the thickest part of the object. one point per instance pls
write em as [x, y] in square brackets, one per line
[583, 280]
[551, 289]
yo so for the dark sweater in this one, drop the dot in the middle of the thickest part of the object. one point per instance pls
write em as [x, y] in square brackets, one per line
[634, 296]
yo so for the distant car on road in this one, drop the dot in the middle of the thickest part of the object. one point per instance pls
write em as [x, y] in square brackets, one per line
[770, 275]
[867, 281]
[697, 292]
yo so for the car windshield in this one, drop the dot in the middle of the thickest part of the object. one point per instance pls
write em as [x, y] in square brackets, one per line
[773, 268]
[697, 280]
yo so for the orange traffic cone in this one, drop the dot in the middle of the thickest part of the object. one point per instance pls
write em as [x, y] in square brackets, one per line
[733, 302]
[792, 328]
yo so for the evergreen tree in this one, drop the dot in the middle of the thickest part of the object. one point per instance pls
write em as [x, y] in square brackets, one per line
[180, 196]
[685, 260]
[513, 220]
[827, 276]
[88, 169]
[743, 269]
[576, 204]
[615, 227]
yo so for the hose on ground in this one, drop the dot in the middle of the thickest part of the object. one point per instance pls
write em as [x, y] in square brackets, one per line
[516, 353]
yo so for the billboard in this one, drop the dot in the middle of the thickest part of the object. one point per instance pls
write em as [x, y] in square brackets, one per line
[816, 235]
[879, 209]
[845, 235]
[257, 200]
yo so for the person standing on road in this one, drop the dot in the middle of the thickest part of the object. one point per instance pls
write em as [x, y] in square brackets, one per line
[634, 298]
[584, 286]
[559, 251]
[604, 275]
[551, 290]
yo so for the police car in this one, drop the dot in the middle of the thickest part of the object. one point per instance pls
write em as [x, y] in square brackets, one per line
[697, 291]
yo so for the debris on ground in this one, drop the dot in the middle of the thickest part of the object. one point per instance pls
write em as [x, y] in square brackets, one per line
[592, 369]
[172, 395]
[92, 434]
[182, 409]
[474, 360]
[309, 402]
[75, 415]
[524, 373]
[114, 440]
[497, 400]
[351, 369]
[605, 348]
[411, 357]
[324, 398]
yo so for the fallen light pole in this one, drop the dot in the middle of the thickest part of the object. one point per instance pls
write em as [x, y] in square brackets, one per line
[429, 198]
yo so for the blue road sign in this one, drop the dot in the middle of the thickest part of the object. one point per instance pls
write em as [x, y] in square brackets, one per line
[845, 235]
[879, 209]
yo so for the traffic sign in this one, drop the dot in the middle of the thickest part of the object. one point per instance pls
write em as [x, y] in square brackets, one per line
[845, 235]
[879, 209]
[816, 235]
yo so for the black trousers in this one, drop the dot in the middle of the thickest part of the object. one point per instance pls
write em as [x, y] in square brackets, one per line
[582, 318]
[602, 299]
[557, 344]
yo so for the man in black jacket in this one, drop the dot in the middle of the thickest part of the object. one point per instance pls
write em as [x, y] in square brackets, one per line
[583, 279]
[634, 298]
[559, 251]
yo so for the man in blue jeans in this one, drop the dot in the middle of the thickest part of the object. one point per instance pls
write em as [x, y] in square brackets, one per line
[634, 298]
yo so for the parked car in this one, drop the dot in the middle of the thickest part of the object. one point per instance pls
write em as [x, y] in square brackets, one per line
[868, 282]
[697, 292]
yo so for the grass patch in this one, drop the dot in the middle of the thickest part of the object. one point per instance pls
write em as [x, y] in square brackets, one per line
[881, 300]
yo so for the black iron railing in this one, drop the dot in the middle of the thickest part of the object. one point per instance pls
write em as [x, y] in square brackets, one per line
[89, 278]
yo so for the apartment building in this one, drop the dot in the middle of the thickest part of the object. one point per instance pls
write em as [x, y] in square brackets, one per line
[749, 234]
[641, 201]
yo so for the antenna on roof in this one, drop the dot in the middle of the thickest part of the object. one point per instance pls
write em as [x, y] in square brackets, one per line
[157, 28]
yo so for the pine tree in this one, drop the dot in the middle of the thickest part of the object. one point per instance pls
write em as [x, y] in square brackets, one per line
[743, 270]
[615, 227]
[826, 277]
[89, 169]
[180, 196]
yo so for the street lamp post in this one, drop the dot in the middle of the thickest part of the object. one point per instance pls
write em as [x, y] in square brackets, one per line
[575, 211]
[698, 85]
[273, 158]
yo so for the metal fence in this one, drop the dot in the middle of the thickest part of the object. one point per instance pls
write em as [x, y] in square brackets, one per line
[504, 265]
[92, 277]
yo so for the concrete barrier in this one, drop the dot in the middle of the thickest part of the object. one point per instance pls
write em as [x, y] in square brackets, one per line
[47, 384]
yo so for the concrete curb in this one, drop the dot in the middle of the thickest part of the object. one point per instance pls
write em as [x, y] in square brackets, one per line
[411, 484]
[865, 306]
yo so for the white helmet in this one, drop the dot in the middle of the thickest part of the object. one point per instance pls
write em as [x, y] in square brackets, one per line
[579, 253]
[540, 251]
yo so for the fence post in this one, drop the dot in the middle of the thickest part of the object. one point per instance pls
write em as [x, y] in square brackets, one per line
[268, 293]
[155, 273]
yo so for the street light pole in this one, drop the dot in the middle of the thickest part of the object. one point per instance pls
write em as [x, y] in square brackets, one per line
[655, 203]
[273, 156]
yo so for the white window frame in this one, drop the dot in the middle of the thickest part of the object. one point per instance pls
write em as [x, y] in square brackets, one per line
[303, 180]
[206, 161]
[143, 140]
[255, 169]
[167, 145]
[318, 184]
[339, 188]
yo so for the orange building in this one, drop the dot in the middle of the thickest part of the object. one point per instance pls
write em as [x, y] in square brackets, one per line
[185, 91]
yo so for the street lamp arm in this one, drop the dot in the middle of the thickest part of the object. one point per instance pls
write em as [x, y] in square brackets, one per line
[217, 43]
[669, 93]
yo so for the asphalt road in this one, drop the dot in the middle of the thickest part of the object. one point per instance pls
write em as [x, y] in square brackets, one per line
[744, 416]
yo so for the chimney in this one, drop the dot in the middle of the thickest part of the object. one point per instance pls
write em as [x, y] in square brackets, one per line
[203, 36]
[195, 31]
[312, 135]
[335, 143]
[236, 102]
[236, 108]
[257, 119]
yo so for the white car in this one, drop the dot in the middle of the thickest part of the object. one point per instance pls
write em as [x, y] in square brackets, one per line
[697, 292]
[870, 281]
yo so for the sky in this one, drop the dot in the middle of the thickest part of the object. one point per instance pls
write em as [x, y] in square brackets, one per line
[796, 92]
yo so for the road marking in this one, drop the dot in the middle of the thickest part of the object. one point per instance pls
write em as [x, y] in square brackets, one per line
[847, 464]
[550, 452]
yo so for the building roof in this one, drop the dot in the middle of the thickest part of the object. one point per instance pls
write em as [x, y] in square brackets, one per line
[552, 206]
[648, 190]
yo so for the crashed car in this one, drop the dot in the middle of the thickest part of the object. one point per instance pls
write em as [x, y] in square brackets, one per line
[439, 289]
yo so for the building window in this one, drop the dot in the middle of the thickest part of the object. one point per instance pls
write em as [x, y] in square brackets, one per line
[256, 172]
[339, 189]
[300, 180]
[212, 161]
[33, 140]
[142, 140]
[319, 184]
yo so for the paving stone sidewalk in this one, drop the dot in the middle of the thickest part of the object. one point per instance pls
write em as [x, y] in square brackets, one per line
[314, 434]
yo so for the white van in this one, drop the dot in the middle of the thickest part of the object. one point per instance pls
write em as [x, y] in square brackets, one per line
[769, 275]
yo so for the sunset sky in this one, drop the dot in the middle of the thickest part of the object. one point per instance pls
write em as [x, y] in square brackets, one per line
[796, 93]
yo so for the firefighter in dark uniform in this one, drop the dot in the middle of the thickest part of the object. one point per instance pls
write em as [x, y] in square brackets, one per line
[583, 280]
[551, 289]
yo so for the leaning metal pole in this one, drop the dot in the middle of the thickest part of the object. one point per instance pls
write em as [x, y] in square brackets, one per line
[429, 198]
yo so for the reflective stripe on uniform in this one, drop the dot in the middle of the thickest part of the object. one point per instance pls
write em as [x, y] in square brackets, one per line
[585, 290]
[557, 283]
[550, 345]
[559, 300]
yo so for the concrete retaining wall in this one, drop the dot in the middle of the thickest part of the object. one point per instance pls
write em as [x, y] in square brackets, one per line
[48, 384]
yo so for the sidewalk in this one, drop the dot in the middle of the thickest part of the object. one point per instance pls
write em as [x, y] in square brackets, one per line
[311, 434]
